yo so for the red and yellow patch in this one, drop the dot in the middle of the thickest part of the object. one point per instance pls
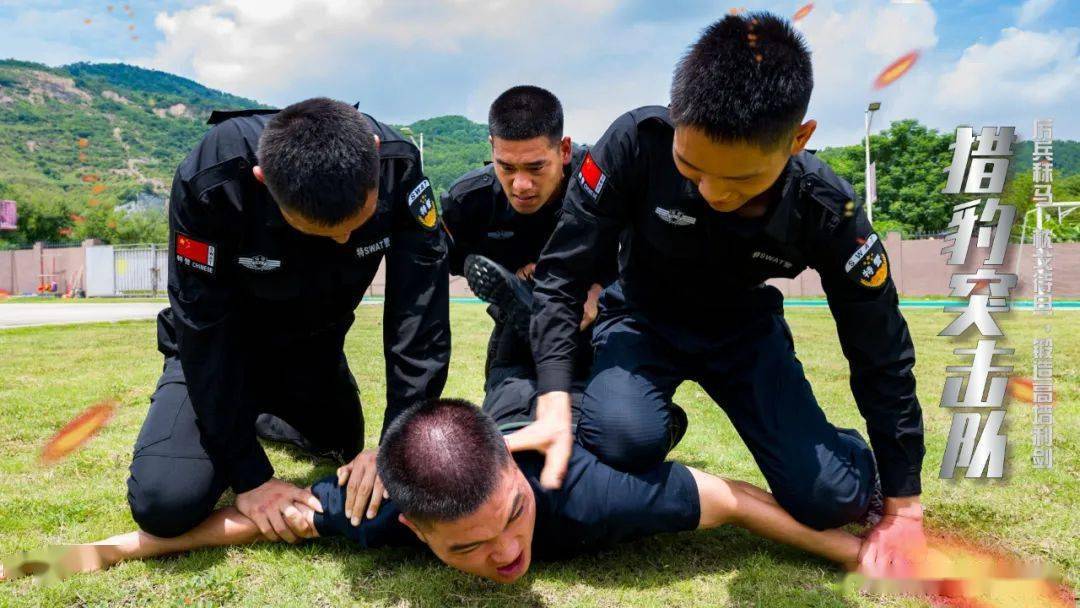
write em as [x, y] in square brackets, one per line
[591, 176]
[195, 253]
[423, 206]
[878, 278]
[868, 265]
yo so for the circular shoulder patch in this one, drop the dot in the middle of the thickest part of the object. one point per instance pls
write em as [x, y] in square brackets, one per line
[422, 205]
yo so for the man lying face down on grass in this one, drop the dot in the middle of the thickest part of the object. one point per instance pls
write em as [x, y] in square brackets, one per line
[455, 486]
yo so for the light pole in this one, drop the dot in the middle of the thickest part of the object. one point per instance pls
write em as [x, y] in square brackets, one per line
[870, 188]
[406, 131]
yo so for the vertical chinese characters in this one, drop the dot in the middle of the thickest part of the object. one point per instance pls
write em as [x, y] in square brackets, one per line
[979, 166]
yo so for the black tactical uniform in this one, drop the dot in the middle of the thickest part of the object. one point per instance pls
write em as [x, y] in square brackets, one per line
[481, 221]
[690, 303]
[478, 215]
[258, 316]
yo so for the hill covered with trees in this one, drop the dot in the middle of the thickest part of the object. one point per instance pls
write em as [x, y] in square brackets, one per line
[89, 150]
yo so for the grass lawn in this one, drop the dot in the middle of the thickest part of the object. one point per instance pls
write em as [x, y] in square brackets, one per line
[48, 374]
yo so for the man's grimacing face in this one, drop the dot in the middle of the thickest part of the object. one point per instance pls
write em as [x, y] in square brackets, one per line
[729, 174]
[530, 170]
[495, 541]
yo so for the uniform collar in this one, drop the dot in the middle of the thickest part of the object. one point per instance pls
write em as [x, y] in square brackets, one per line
[274, 219]
[778, 224]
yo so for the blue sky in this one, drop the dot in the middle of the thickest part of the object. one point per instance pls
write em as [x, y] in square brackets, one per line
[984, 62]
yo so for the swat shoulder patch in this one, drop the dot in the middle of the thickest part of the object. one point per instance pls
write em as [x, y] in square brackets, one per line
[422, 205]
[868, 266]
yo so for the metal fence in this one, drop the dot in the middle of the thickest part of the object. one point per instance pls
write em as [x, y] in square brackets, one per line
[140, 269]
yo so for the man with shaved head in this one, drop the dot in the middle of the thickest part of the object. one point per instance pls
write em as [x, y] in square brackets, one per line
[456, 487]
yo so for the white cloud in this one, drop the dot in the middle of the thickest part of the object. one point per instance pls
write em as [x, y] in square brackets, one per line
[409, 59]
[1020, 69]
[264, 46]
[1032, 10]
[850, 46]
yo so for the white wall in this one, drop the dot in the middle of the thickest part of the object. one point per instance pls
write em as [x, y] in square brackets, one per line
[100, 277]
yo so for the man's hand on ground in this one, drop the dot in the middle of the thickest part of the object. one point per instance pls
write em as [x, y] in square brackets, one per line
[591, 306]
[365, 489]
[525, 273]
[550, 433]
[271, 506]
[898, 543]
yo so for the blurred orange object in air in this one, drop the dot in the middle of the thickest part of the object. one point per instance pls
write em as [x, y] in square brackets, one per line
[83, 142]
[1022, 389]
[895, 70]
[77, 432]
[802, 12]
[98, 188]
[90, 178]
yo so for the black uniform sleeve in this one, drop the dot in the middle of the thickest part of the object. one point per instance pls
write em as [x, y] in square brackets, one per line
[583, 245]
[461, 225]
[204, 303]
[855, 275]
[384, 530]
[416, 314]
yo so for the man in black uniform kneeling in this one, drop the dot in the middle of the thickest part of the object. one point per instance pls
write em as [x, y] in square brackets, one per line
[499, 217]
[278, 223]
[710, 198]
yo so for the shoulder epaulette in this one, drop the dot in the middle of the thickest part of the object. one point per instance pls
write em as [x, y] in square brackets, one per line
[220, 116]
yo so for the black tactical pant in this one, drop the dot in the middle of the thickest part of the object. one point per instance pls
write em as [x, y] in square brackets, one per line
[822, 475]
[510, 379]
[174, 484]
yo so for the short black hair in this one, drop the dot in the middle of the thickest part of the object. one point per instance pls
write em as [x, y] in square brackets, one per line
[441, 459]
[524, 112]
[319, 160]
[747, 79]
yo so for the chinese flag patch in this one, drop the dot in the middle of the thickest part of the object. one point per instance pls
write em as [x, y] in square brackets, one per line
[592, 178]
[194, 253]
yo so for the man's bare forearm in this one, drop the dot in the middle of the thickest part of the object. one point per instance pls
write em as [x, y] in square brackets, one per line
[725, 501]
[224, 527]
